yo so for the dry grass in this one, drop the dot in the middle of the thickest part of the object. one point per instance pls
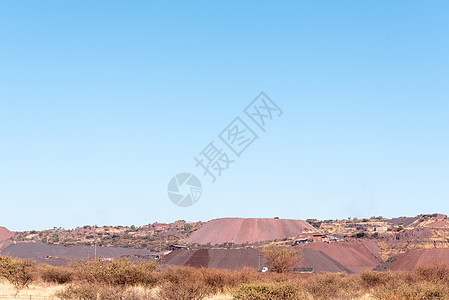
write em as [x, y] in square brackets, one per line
[122, 279]
[35, 290]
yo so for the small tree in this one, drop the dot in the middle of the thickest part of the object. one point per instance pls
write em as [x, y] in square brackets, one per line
[19, 272]
[55, 237]
[187, 228]
[282, 259]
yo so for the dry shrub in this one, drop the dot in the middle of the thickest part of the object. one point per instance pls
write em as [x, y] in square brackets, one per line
[195, 283]
[180, 274]
[399, 290]
[19, 272]
[334, 286]
[59, 275]
[265, 291]
[373, 278]
[101, 292]
[118, 280]
[427, 290]
[82, 292]
[247, 274]
[121, 293]
[218, 280]
[406, 277]
[437, 272]
[117, 272]
[183, 283]
[225, 280]
[185, 290]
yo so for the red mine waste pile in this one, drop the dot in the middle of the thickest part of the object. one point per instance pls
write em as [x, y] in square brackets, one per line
[414, 258]
[239, 258]
[5, 234]
[355, 255]
[241, 231]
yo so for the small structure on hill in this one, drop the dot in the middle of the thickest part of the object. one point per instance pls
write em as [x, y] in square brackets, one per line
[304, 270]
[301, 241]
[332, 239]
[380, 229]
[176, 247]
[319, 238]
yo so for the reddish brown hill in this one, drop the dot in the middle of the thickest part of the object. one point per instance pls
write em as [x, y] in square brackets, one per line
[239, 258]
[439, 224]
[5, 234]
[241, 231]
[414, 234]
[355, 255]
[433, 221]
[414, 258]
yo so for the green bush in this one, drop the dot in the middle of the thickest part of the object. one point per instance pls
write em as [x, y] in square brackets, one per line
[268, 291]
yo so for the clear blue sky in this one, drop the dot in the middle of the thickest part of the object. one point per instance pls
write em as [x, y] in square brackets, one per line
[102, 102]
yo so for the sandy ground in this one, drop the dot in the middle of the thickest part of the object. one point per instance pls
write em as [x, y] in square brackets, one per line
[38, 290]
[46, 291]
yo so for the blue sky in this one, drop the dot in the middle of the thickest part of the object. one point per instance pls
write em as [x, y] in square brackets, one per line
[101, 103]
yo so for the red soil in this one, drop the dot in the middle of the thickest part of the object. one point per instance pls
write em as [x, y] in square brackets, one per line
[5, 234]
[241, 231]
[414, 258]
[355, 255]
[239, 258]
[439, 224]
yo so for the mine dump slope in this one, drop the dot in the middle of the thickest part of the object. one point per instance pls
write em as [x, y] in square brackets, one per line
[405, 221]
[432, 220]
[59, 255]
[411, 259]
[439, 224]
[5, 234]
[239, 258]
[215, 258]
[355, 255]
[241, 230]
[414, 234]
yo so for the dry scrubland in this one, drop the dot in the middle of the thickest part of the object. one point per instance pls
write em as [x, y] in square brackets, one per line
[123, 279]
